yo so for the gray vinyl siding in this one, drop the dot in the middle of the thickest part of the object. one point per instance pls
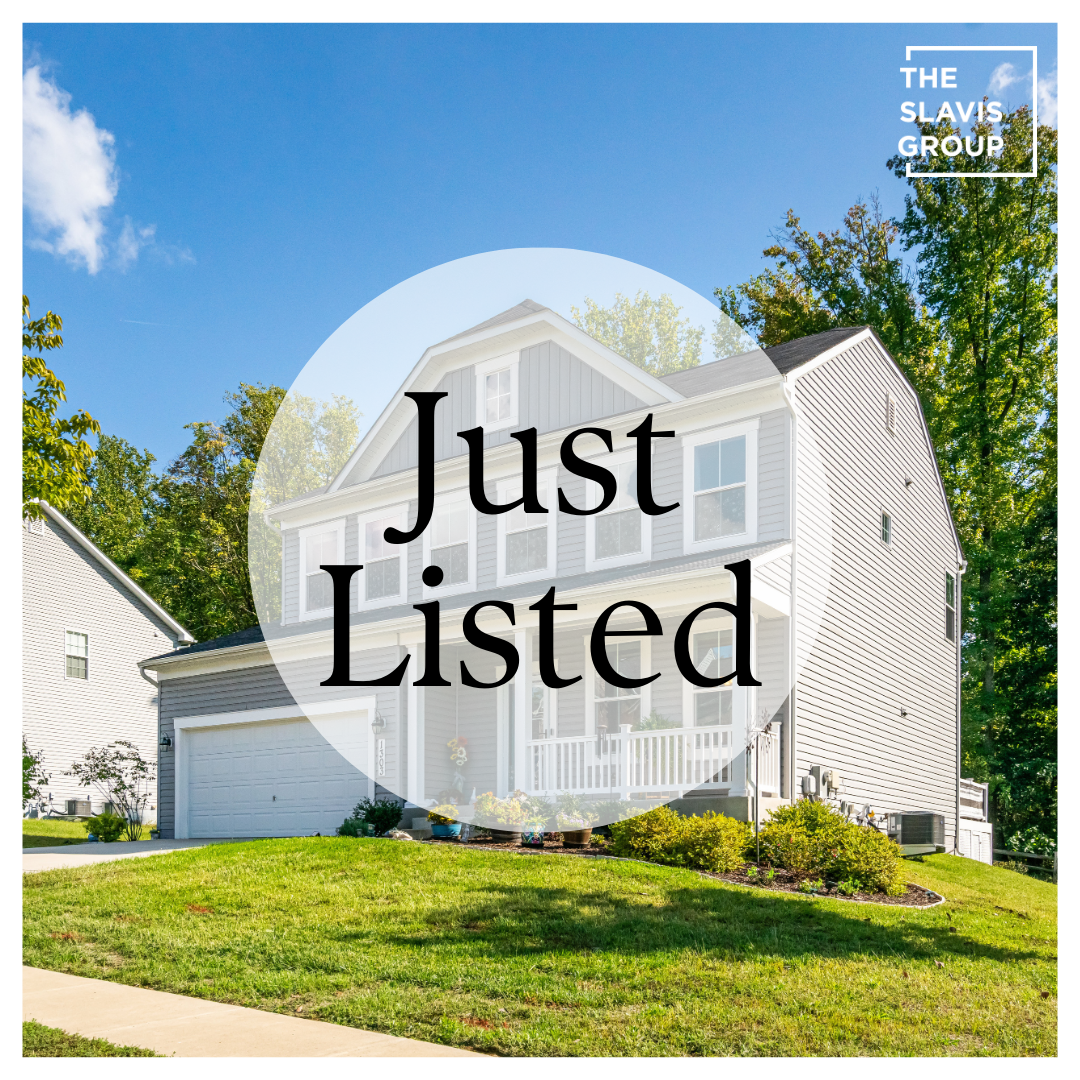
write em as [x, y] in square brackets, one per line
[290, 558]
[667, 489]
[570, 541]
[881, 646]
[774, 442]
[66, 588]
[555, 390]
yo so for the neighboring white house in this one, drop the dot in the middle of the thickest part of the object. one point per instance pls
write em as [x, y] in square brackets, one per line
[812, 460]
[86, 625]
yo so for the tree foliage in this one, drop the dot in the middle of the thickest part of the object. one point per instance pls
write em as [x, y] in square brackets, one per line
[56, 455]
[34, 777]
[973, 324]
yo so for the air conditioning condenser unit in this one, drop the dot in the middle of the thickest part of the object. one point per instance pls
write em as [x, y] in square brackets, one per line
[918, 832]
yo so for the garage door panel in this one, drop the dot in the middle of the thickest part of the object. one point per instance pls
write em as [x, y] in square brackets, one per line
[235, 772]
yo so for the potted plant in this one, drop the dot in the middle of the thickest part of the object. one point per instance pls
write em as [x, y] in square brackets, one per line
[503, 818]
[532, 832]
[575, 828]
[442, 824]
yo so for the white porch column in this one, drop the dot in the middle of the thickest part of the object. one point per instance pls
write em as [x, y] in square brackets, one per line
[414, 768]
[522, 690]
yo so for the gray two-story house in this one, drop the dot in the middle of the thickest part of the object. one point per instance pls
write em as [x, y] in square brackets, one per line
[810, 460]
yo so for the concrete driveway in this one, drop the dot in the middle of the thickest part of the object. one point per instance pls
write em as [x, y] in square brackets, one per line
[68, 855]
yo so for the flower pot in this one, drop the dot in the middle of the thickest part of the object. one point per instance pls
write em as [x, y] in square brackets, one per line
[504, 836]
[532, 838]
[446, 830]
[578, 838]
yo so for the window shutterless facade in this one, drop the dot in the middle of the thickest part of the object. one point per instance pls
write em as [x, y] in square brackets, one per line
[76, 654]
[382, 581]
[621, 534]
[450, 543]
[720, 487]
[497, 392]
[527, 542]
[319, 544]
[950, 607]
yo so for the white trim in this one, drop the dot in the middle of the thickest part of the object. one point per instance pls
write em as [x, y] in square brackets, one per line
[592, 498]
[84, 542]
[489, 367]
[547, 492]
[85, 634]
[183, 724]
[459, 495]
[749, 429]
[338, 527]
[401, 511]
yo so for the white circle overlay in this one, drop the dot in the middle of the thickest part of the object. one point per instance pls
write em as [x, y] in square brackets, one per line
[526, 756]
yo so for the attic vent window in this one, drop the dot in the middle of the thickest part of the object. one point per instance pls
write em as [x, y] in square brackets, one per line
[950, 607]
[497, 396]
[35, 526]
[886, 529]
[890, 414]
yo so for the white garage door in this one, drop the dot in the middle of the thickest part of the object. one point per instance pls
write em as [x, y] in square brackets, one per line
[267, 779]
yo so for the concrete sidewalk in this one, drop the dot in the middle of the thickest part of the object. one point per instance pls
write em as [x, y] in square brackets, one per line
[181, 1026]
[65, 855]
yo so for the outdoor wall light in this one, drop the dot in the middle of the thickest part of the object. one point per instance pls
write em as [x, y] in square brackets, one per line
[166, 742]
[378, 725]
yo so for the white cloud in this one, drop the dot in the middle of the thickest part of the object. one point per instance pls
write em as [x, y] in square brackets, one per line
[131, 241]
[1002, 77]
[1048, 100]
[69, 173]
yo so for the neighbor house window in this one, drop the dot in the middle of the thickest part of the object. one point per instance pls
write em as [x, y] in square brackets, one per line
[321, 545]
[614, 705]
[719, 503]
[382, 560]
[619, 527]
[76, 654]
[449, 532]
[950, 607]
[497, 392]
[712, 659]
[720, 488]
[886, 529]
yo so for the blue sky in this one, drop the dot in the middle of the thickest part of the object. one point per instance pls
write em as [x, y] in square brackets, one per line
[269, 181]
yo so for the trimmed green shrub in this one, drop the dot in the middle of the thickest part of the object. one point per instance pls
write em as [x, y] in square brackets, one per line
[703, 842]
[382, 814]
[106, 827]
[812, 838]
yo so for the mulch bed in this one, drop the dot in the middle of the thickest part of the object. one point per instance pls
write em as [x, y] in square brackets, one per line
[783, 880]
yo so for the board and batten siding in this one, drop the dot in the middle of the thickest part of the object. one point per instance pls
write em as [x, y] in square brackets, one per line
[880, 647]
[66, 588]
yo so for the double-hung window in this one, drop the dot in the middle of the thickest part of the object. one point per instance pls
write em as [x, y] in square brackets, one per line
[712, 659]
[614, 705]
[720, 487]
[319, 545]
[497, 392]
[527, 542]
[384, 563]
[621, 533]
[450, 543]
[76, 654]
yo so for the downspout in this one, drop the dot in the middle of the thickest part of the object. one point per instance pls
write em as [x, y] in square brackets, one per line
[961, 567]
[789, 395]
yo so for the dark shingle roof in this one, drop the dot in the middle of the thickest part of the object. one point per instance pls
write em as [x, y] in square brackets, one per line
[251, 636]
[793, 354]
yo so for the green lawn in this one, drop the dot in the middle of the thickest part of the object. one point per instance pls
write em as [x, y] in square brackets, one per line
[537, 955]
[49, 832]
[42, 1041]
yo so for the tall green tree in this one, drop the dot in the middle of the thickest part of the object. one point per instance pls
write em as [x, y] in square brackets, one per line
[974, 326]
[56, 455]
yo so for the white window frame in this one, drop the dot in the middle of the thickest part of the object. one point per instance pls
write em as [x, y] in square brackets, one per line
[459, 495]
[881, 528]
[401, 511]
[748, 429]
[593, 495]
[710, 622]
[337, 526]
[645, 692]
[480, 374]
[548, 494]
[85, 634]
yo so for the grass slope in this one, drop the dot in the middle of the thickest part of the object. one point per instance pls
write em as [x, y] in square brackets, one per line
[537, 955]
[42, 1041]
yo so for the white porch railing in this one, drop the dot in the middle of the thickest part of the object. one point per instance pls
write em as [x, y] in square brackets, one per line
[672, 759]
[974, 800]
[768, 765]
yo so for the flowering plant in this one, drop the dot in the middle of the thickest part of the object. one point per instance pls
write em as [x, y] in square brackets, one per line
[493, 812]
[571, 822]
[442, 815]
